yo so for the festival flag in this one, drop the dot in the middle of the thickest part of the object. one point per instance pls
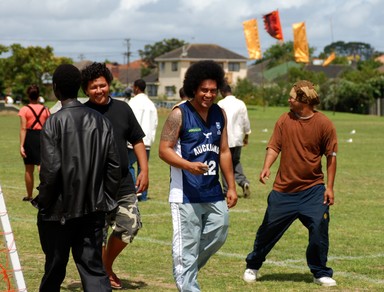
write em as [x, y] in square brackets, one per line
[328, 61]
[300, 44]
[272, 25]
[252, 39]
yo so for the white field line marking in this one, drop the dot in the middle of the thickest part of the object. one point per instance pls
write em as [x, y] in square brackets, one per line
[287, 263]
[291, 263]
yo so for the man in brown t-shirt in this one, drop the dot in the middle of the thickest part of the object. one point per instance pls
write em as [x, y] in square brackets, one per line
[302, 136]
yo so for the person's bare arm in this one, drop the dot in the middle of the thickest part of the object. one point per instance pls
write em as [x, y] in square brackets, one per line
[270, 157]
[168, 140]
[329, 195]
[23, 132]
[142, 180]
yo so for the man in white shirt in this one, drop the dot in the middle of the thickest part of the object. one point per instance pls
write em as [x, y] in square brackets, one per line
[238, 129]
[146, 114]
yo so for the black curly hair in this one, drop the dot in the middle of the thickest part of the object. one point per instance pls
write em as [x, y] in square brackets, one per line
[200, 71]
[93, 71]
[66, 80]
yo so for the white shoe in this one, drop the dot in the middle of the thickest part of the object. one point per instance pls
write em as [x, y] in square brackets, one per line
[246, 190]
[324, 281]
[250, 275]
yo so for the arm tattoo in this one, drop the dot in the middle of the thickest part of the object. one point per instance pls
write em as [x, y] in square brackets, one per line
[172, 127]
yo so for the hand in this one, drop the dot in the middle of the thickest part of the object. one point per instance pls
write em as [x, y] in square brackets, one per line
[22, 152]
[264, 176]
[142, 182]
[231, 198]
[329, 197]
[198, 168]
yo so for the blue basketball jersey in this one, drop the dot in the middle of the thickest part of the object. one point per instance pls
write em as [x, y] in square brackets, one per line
[198, 141]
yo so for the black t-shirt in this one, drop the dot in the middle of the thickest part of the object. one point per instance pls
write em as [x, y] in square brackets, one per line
[126, 129]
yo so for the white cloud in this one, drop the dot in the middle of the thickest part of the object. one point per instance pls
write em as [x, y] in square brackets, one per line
[99, 28]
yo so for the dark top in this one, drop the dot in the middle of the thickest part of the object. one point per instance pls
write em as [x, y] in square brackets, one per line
[200, 141]
[80, 172]
[126, 129]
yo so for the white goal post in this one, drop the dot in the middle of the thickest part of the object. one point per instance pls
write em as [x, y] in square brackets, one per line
[11, 245]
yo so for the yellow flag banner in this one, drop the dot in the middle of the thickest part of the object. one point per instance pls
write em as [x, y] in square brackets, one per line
[252, 39]
[300, 44]
[328, 61]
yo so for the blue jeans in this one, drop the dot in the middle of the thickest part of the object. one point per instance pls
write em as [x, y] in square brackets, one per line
[132, 160]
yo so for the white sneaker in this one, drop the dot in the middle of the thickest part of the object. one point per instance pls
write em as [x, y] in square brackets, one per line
[246, 190]
[324, 281]
[250, 275]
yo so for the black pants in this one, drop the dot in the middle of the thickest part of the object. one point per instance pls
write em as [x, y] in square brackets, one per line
[82, 235]
[283, 209]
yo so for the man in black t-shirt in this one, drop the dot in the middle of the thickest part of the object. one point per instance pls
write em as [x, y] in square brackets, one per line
[126, 222]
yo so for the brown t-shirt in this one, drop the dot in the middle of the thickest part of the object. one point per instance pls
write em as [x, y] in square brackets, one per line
[301, 144]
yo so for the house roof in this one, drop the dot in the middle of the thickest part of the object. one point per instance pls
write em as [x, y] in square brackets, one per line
[380, 59]
[331, 71]
[201, 52]
[280, 70]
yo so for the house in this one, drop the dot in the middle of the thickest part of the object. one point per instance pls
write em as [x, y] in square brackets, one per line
[173, 65]
[126, 73]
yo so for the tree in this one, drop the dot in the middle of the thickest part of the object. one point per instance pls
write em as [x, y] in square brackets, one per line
[278, 54]
[26, 66]
[281, 53]
[151, 52]
[357, 50]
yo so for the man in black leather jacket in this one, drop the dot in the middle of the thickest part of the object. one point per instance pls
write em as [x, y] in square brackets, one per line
[79, 178]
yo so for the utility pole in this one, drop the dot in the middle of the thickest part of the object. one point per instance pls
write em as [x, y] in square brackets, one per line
[128, 54]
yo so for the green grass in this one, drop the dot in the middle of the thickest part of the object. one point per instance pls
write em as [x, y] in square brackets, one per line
[356, 229]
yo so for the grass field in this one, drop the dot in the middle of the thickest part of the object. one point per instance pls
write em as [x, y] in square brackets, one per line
[356, 230]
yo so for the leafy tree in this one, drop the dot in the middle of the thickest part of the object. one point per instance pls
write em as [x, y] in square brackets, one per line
[280, 53]
[357, 50]
[26, 66]
[151, 52]
[3, 49]
[296, 74]
[247, 92]
[377, 83]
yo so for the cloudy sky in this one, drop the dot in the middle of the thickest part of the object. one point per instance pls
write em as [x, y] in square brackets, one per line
[98, 30]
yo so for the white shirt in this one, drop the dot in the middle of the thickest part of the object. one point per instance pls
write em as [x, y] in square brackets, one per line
[238, 124]
[146, 114]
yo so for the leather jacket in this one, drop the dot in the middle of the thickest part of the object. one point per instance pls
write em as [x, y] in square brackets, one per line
[79, 172]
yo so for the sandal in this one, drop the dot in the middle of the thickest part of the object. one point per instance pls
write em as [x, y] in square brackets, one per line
[27, 199]
[115, 282]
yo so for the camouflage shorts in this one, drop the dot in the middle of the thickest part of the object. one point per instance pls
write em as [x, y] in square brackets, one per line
[126, 221]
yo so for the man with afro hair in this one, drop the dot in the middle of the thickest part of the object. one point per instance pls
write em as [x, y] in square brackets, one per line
[194, 143]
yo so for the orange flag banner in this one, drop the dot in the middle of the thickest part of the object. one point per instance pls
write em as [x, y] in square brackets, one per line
[272, 25]
[251, 33]
[328, 61]
[300, 44]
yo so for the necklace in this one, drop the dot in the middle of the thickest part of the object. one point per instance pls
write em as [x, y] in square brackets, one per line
[304, 118]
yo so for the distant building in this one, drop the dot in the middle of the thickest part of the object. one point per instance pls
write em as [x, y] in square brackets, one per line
[126, 73]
